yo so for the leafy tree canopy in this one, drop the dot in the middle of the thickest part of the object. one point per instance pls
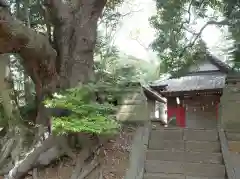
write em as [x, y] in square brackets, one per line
[176, 42]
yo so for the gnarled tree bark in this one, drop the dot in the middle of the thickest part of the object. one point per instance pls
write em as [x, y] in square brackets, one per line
[75, 30]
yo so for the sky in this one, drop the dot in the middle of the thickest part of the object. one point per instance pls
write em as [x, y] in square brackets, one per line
[137, 24]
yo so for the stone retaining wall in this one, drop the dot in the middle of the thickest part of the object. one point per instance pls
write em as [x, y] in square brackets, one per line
[133, 107]
[230, 107]
[138, 152]
[229, 126]
[230, 112]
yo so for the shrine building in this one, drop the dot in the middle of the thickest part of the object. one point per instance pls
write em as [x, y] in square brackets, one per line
[193, 98]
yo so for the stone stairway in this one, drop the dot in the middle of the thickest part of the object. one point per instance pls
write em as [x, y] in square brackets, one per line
[177, 153]
[233, 139]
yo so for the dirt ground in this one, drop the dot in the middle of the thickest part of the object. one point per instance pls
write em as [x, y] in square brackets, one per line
[115, 159]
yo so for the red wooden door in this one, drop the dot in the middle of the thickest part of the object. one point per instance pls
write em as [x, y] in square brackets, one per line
[181, 116]
[171, 112]
[179, 113]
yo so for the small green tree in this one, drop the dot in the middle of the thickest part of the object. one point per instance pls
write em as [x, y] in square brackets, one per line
[87, 115]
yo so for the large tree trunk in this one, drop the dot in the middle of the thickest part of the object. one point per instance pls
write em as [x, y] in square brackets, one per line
[75, 31]
[75, 24]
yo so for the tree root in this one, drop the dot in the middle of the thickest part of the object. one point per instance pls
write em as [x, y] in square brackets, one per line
[29, 161]
[11, 148]
[7, 167]
[88, 169]
[80, 162]
[6, 151]
[63, 144]
[47, 151]
[41, 155]
[100, 174]
[83, 166]
[35, 173]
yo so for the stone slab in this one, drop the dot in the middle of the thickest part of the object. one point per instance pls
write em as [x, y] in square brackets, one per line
[182, 156]
[191, 177]
[234, 136]
[204, 170]
[174, 134]
[191, 169]
[175, 176]
[202, 146]
[200, 135]
[163, 176]
[167, 167]
[166, 145]
[232, 124]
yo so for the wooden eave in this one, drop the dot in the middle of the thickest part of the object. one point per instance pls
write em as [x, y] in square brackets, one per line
[153, 95]
[166, 94]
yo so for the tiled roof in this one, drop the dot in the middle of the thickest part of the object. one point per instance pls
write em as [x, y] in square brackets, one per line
[190, 83]
[200, 80]
[220, 64]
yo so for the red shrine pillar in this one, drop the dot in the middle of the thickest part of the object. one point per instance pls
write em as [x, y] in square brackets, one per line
[171, 111]
[181, 117]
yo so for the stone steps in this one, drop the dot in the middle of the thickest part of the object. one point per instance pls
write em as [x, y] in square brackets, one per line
[194, 146]
[163, 176]
[184, 153]
[184, 156]
[185, 168]
[175, 176]
[184, 134]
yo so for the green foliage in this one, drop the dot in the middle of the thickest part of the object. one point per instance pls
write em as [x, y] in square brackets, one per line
[230, 9]
[170, 38]
[176, 42]
[111, 65]
[87, 115]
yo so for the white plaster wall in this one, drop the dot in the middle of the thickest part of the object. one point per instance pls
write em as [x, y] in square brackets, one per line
[160, 111]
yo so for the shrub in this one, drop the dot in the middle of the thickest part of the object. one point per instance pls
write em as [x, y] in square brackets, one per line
[87, 115]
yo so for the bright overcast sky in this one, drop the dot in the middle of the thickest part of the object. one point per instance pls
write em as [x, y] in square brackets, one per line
[138, 23]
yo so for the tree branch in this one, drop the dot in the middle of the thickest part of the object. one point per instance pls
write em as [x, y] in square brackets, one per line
[195, 38]
[15, 37]
[38, 56]
[190, 31]
[141, 43]
[189, 16]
